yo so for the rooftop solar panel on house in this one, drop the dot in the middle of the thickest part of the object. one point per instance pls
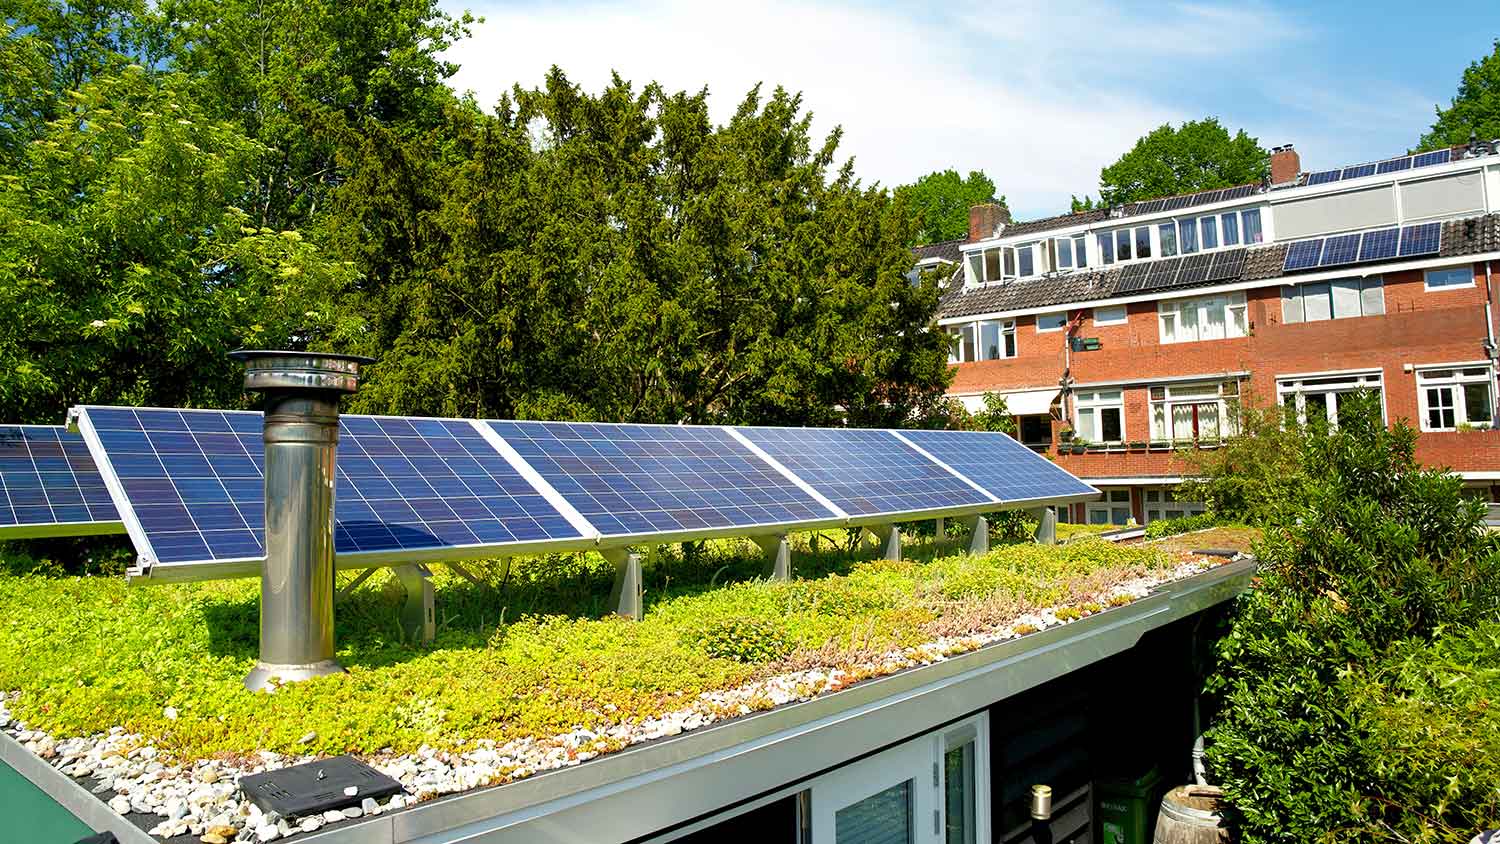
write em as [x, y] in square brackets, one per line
[1006, 469]
[190, 487]
[1394, 165]
[1324, 177]
[1239, 192]
[660, 479]
[1420, 239]
[1162, 273]
[1194, 270]
[1428, 159]
[1340, 249]
[1378, 245]
[1303, 254]
[49, 485]
[1177, 202]
[866, 472]
[1226, 265]
[1132, 277]
[1359, 171]
[1150, 206]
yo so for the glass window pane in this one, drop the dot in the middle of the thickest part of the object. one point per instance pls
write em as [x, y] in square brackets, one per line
[1187, 236]
[1098, 516]
[1211, 324]
[1025, 255]
[1143, 242]
[1010, 339]
[1477, 403]
[1187, 328]
[1372, 297]
[1316, 408]
[1251, 219]
[1315, 302]
[958, 795]
[884, 817]
[1080, 254]
[1168, 236]
[1231, 224]
[1010, 262]
[989, 340]
[1345, 298]
[1122, 244]
[1106, 248]
[969, 350]
[1291, 304]
[1064, 254]
[1119, 516]
[1210, 232]
[1110, 417]
[991, 264]
[1086, 428]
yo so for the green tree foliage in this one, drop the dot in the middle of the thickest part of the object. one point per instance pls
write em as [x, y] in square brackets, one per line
[1198, 155]
[940, 201]
[1377, 557]
[1086, 204]
[1475, 109]
[1254, 475]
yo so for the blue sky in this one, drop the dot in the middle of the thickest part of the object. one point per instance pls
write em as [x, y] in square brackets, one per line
[1039, 95]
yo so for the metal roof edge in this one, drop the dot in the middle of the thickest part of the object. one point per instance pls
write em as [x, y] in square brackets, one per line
[87, 807]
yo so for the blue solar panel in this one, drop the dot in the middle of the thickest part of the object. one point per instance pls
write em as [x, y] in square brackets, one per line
[641, 479]
[49, 485]
[1340, 249]
[1303, 254]
[1420, 239]
[1394, 165]
[1005, 468]
[194, 485]
[865, 472]
[1428, 159]
[1324, 177]
[1359, 171]
[1378, 245]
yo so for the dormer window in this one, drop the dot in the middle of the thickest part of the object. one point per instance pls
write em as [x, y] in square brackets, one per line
[1069, 253]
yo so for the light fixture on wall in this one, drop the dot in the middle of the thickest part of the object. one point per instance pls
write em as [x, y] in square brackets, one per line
[1041, 802]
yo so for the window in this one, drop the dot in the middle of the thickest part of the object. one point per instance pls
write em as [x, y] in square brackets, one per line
[1168, 235]
[1203, 318]
[1026, 258]
[1112, 509]
[1000, 262]
[1163, 503]
[1231, 224]
[1337, 299]
[1250, 222]
[1080, 251]
[960, 775]
[1051, 322]
[1209, 228]
[1106, 248]
[1143, 242]
[1316, 400]
[1122, 245]
[1101, 416]
[1449, 278]
[1111, 315]
[1187, 232]
[1201, 413]
[1454, 397]
[1064, 253]
[1010, 262]
[1036, 429]
[997, 339]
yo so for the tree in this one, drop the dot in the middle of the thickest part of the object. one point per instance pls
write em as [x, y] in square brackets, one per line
[1252, 476]
[1198, 155]
[1474, 110]
[940, 203]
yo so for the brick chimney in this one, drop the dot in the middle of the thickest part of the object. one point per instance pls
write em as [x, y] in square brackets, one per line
[1286, 165]
[985, 219]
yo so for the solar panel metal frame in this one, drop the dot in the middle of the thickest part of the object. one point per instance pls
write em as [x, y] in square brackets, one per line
[1177, 202]
[1340, 249]
[1373, 244]
[1433, 158]
[1394, 165]
[1303, 254]
[1150, 206]
[152, 569]
[1421, 239]
[1239, 192]
[53, 529]
[1132, 277]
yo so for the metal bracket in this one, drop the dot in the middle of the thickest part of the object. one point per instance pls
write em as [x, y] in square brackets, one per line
[625, 597]
[468, 575]
[979, 534]
[1046, 527]
[417, 616]
[778, 556]
[888, 537]
[355, 583]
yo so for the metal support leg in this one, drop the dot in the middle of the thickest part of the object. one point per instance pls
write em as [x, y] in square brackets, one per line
[417, 616]
[468, 575]
[354, 584]
[888, 538]
[1046, 526]
[979, 534]
[625, 598]
[778, 556]
[939, 530]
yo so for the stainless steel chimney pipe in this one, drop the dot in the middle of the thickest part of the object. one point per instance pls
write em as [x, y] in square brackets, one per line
[301, 432]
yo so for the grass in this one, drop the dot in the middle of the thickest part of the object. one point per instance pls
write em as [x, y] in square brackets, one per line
[526, 655]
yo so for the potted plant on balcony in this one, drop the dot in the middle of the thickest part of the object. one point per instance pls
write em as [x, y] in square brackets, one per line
[1137, 445]
[1078, 446]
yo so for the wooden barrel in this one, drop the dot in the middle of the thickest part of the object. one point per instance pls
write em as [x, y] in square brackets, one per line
[1190, 815]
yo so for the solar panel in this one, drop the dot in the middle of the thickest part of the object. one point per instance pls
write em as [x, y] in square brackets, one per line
[49, 485]
[1132, 277]
[1324, 177]
[1162, 273]
[1226, 265]
[643, 479]
[865, 472]
[1420, 239]
[192, 487]
[1378, 245]
[1239, 192]
[1359, 171]
[1340, 249]
[1207, 197]
[1428, 159]
[1393, 165]
[1006, 469]
[1194, 270]
[1303, 254]
[1177, 202]
[1150, 207]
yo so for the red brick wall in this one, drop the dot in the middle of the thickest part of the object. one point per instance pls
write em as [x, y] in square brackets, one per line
[1419, 327]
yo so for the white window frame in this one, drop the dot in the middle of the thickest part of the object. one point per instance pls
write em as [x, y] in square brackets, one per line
[1235, 317]
[1007, 329]
[1094, 403]
[956, 335]
[1100, 317]
[1164, 399]
[1294, 298]
[1454, 379]
[1260, 227]
[1114, 499]
[1063, 315]
[1467, 270]
[1330, 386]
[1155, 502]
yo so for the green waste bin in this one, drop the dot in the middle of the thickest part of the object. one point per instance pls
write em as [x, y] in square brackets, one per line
[1127, 808]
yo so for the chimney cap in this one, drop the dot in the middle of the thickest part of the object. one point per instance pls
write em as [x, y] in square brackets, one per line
[283, 370]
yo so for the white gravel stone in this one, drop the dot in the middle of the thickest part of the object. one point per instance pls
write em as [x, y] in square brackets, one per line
[332, 816]
[354, 812]
[169, 713]
[267, 832]
[311, 824]
[120, 804]
[369, 806]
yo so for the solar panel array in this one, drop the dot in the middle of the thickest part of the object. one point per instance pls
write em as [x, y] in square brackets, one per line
[1185, 271]
[190, 484]
[995, 462]
[1193, 200]
[1391, 165]
[1361, 247]
[49, 485]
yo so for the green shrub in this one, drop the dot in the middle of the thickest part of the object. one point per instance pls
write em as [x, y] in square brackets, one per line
[1185, 524]
[1379, 555]
[745, 639]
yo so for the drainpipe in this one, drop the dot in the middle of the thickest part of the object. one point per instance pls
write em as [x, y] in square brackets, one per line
[1490, 349]
[301, 433]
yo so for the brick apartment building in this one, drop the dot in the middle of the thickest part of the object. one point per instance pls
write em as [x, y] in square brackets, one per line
[1120, 335]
